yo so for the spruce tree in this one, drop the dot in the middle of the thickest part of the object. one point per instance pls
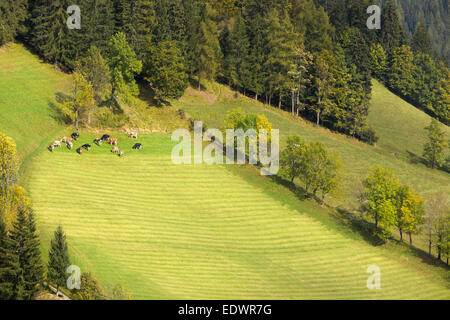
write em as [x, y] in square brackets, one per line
[281, 47]
[58, 259]
[237, 68]
[26, 244]
[12, 17]
[136, 19]
[51, 36]
[207, 47]
[98, 23]
[421, 41]
[391, 34]
[8, 264]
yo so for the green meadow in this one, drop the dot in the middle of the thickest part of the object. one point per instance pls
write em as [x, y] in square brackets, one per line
[166, 231]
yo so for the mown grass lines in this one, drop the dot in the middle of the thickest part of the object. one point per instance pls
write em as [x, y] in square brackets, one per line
[204, 232]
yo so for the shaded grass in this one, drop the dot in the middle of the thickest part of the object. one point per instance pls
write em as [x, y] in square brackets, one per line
[27, 88]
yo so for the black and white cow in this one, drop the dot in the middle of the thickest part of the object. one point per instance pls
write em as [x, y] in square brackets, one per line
[75, 136]
[137, 146]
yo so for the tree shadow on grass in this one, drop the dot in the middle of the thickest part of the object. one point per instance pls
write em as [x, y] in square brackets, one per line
[364, 228]
[414, 158]
[147, 95]
[299, 192]
[57, 114]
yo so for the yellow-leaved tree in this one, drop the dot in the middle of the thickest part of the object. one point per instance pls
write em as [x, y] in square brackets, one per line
[81, 103]
[11, 195]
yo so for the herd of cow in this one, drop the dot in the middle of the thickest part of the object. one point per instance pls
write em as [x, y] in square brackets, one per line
[112, 141]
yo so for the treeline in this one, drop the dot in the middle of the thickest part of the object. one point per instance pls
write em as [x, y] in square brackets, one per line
[394, 206]
[314, 58]
[434, 14]
[382, 199]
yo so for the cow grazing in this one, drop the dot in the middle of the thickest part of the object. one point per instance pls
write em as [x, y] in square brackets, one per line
[133, 135]
[66, 140]
[115, 150]
[57, 144]
[51, 148]
[121, 153]
[69, 145]
[105, 137]
[86, 146]
[113, 141]
[98, 142]
[80, 150]
[75, 136]
[137, 146]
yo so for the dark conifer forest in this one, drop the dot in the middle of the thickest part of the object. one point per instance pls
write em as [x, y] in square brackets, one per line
[313, 57]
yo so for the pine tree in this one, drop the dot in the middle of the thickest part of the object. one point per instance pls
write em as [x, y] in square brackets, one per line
[50, 35]
[8, 264]
[207, 47]
[58, 259]
[378, 61]
[400, 73]
[236, 58]
[137, 20]
[162, 32]
[98, 24]
[281, 47]
[165, 71]
[257, 54]
[391, 34]
[26, 245]
[421, 41]
[12, 17]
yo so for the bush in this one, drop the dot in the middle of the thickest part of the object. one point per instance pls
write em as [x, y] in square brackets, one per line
[110, 119]
[368, 135]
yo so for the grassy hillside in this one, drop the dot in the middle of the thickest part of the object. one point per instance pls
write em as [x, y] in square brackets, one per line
[399, 125]
[357, 157]
[168, 231]
[27, 90]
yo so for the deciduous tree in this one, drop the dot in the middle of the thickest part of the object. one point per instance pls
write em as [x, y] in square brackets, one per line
[435, 147]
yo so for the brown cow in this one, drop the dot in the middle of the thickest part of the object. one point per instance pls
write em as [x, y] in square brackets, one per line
[112, 141]
[66, 140]
[115, 150]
